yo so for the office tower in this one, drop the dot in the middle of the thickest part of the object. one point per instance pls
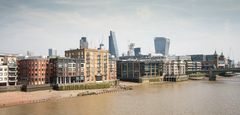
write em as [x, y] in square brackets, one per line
[162, 45]
[52, 52]
[137, 51]
[113, 48]
[29, 53]
[83, 43]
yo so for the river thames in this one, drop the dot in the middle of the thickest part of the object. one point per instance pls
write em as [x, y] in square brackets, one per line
[221, 97]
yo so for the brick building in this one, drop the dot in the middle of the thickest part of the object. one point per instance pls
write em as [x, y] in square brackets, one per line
[96, 61]
[34, 71]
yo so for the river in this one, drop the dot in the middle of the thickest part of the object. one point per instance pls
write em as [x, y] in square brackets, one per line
[221, 97]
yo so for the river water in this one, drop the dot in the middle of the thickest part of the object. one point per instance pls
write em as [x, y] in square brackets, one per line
[221, 97]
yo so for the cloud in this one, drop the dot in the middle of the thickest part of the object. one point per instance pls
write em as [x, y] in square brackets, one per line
[60, 24]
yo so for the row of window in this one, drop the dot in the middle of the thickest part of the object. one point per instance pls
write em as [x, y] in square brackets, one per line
[3, 79]
[3, 69]
[4, 74]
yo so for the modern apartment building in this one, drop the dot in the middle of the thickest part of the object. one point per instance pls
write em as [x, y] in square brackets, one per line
[3, 75]
[96, 61]
[133, 70]
[193, 65]
[175, 67]
[8, 70]
[66, 70]
[34, 71]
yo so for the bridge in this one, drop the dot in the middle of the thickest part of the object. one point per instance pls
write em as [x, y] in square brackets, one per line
[213, 72]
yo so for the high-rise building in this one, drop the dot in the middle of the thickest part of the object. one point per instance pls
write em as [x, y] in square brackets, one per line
[113, 48]
[137, 51]
[83, 43]
[162, 45]
[52, 52]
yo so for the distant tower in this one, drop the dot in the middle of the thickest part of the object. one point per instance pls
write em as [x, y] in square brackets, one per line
[137, 51]
[113, 48]
[29, 53]
[131, 49]
[52, 52]
[162, 45]
[83, 43]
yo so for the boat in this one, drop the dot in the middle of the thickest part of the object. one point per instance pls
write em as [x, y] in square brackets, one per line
[196, 78]
[229, 74]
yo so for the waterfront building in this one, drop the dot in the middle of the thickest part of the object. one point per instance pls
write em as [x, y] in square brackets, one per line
[8, 70]
[113, 48]
[96, 63]
[83, 43]
[66, 70]
[213, 61]
[134, 70]
[162, 45]
[174, 67]
[193, 65]
[137, 51]
[34, 71]
[112, 68]
[3, 75]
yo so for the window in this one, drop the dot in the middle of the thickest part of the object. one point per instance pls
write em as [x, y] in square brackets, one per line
[1, 69]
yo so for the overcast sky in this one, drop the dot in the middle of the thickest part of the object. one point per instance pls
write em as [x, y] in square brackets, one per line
[193, 26]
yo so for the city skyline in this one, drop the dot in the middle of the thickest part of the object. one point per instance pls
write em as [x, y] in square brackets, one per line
[205, 26]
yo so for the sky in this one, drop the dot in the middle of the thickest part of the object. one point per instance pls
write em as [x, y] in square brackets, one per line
[193, 26]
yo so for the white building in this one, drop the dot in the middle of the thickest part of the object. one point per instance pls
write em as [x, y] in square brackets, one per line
[3, 75]
[8, 70]
[175, 68]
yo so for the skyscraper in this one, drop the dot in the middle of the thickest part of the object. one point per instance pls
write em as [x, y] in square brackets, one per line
[83, 43]
[113, 48]
[162, 45]
[52, 52]
[137, 51]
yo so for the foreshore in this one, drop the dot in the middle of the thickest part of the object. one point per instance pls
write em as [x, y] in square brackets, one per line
[8, 99]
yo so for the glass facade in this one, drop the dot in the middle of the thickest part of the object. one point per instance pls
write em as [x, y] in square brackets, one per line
[162, 45]
[113, 48]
